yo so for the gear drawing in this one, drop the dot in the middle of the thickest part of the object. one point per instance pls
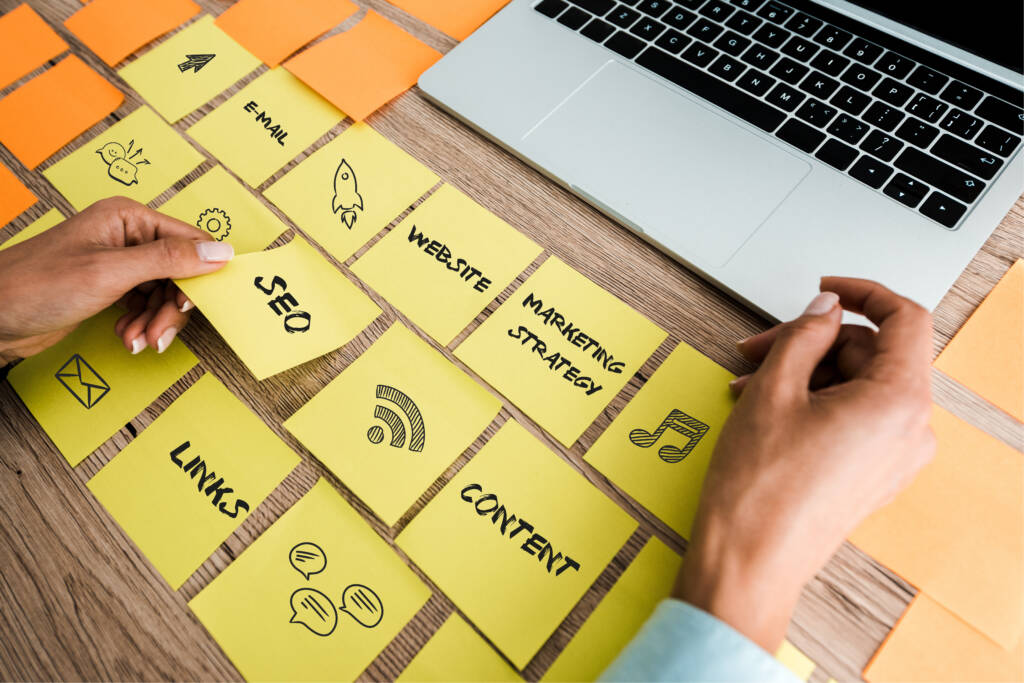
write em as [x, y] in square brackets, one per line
[215, 222]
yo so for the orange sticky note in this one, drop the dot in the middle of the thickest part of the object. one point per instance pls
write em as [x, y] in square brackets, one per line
[987, 354]
[365, 67]
[53, 109]
[26, 41]
[457, 18]
[957, 532]
[931, 644]
[272, 31]
[14, 197]
[114, 29]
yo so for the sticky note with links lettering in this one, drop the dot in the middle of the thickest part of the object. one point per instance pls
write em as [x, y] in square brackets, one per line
[524, 536]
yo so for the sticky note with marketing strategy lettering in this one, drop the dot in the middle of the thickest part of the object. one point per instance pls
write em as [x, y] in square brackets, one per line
[391, 423]
[87, 386]
[15, 198]
[456, 654]
[36, 227]
[349, 189]
[272, 31]
[525, 535]
[221, 206]
[265, 125]
[192, 477]
[560, 348]
[26, 41]
[283, 307]
[658, 449]
[114, 29]
[445, 262]
[315, 598]
[138, 157]
[457, 18]
[188, 69]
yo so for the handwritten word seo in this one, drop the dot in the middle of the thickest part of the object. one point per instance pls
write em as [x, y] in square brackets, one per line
[294, 321]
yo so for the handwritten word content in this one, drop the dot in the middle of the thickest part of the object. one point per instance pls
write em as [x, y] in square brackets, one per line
[295, 320]
[276, 131]
[207, 482]
[443, 255]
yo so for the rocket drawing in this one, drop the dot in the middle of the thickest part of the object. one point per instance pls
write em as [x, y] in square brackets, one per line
[346, 194]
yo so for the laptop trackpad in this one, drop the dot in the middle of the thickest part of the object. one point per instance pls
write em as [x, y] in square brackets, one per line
[684, 174]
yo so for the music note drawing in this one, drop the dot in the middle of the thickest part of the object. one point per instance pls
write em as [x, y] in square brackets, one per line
[679, 422]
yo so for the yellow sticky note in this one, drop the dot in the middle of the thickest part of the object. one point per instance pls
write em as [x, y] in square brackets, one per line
[138, 157]
[349, 189]
[800, 664]
[36, 227]
[658, 449]
[445, 262]
[515, 539]
[265, 125]
[561, 348]
[391, 423]
[315, 598]
[456, 654]
[220, 205]
[283, 307]
[87, 386]
[647, 581]
[189, 69]
[192, 477]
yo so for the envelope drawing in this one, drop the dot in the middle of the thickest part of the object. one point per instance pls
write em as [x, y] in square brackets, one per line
[84, 383]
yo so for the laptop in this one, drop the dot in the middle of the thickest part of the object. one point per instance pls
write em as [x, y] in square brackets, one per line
[764, 144]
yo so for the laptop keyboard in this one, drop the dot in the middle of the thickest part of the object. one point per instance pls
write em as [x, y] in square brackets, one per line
[916, 134]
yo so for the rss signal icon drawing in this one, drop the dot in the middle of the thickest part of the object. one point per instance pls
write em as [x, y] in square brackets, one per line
[415, 434]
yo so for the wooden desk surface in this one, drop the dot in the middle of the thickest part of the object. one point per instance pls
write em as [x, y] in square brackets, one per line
[79, 601]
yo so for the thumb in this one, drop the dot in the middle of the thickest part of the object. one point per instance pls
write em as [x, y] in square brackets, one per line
[168, 257]
[802, 344]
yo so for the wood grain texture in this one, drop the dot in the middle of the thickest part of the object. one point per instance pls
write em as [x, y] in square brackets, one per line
[79, 601]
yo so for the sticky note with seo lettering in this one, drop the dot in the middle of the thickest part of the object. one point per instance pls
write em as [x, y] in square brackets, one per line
[348, 190]
[560, 348]
[456, 654]
[192, 477]
[36, 227]
[114, 29]
[26, 41]
[14, 196]
[280, 308]
[658, 448]
[138, 157]
[85, 387]
[393, 420]
[315, 598]
[445, 262]
[272, 32]
[265, 125]
[519, 517]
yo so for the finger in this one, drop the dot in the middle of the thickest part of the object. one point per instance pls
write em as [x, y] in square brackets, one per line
[172, 257]
[854, 349]
[165, 325]
[737, 385]
[184, 303]
[133, 335]
[756, 348]
[138, 224]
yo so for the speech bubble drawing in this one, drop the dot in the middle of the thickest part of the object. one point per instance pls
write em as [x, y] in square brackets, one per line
[308, 559]
[362, 604]
[314, 610]
[110, 152]
[123, 171]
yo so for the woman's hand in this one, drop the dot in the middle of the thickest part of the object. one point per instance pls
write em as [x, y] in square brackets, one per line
[117, 250]
[832, 425]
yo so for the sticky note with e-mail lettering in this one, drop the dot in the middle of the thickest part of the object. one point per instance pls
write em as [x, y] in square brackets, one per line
[114, 29]
[87, 386]
[457, 18]
[272, 31]
[456, 654]
[26, 41]
[525, 535]
[315, 598]
[348, 190]
[192, 477]
[445, 262]
[393, 420]
[36, 227]
[560, 348]
[14, 196]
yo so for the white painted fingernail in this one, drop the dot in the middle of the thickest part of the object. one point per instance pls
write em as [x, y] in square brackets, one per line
[822, 304]
[739, 382]
[165, 339]
[187, 306]
[214, 252]
[138, 344]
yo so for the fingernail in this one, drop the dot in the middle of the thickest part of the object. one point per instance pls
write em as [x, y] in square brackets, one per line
[214, 252]
[737, 384]
[138, 344]
[822, 304]
[165, 339]
[187, 306]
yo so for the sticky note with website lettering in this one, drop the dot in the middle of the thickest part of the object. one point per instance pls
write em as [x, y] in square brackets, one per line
[189, 69]
[520, 518]
[658, 449]
[445, 262]
[222, 207]
[192, 477]
[315, 598]
[560, 348]
[283, 307]
[138, 157]
[84, 388]
[457, 654]
[265, 125]
[393, 421]
[36, 227]
[348, 190]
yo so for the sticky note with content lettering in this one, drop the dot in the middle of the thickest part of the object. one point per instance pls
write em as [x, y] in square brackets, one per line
[192, 477]
[560, 348]
[520, 518]
[280, 308]
[315, 598]
[348, 190]
[445, 262]
[393, 420]
[456, 654]
[87, 386]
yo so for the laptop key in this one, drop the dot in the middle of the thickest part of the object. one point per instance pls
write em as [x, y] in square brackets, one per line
[917, 132]
[785, 97]
[749, 5]
[798, 48]
[927, 80]
[883, 116]
[743, 22]
[883, 146]
[979, 162]
[800, 135]
[941, 175]
[961, 95]
[732, 43]
[789, 71]
[717, 10]
[574, 18]
[927, 108]
[705, 30]
[623, 17]
[816, 112]
[832, 37]
[860, 77]
[700, 54]
[829, 62]
[999, 141]
[771, 35]
[893, 92]
[942, 209]
[679, 18]
[961, 123]
[863, 51]
[551, 8]
[655, 8]
[819, 85]
[598, 30]
[851, 101]
[870, 171]
[691, 4]
[775, 11]
[1002, 114]
[626, 45]
[906, 190]
[848, 129]
[760, 57]
[755, 82]
[673, 41]
[598, 7]
[647, 29]
[726, 67]
[891, 64]
[835, 153]
[804, 24]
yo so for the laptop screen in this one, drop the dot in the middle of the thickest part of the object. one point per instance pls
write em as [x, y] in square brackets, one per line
[992, 30]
